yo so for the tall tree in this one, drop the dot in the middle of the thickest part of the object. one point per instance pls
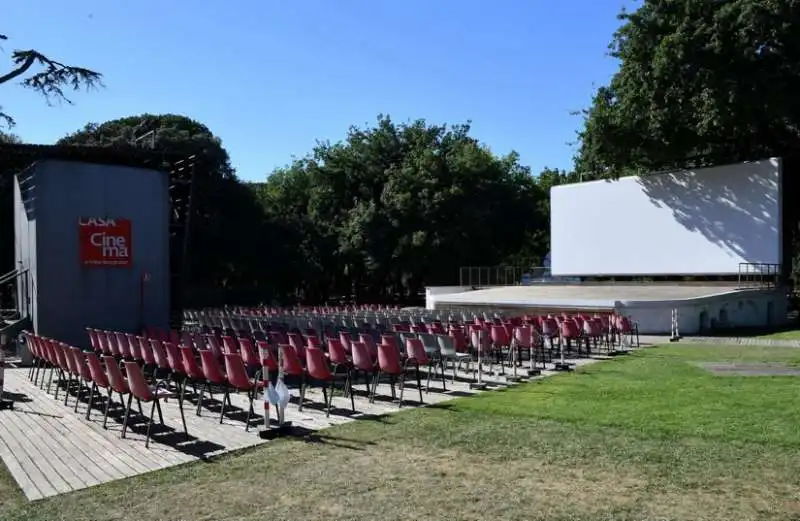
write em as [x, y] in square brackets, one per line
[716, 80]
[227, 228]
[46, 76]
[396, 206]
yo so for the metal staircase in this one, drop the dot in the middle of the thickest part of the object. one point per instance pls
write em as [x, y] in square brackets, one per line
[14, 315]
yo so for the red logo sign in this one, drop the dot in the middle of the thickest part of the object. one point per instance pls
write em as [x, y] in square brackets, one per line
[105, 242]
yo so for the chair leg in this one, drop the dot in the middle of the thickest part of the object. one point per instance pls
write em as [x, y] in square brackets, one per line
[127, 416]
[402, 383]
[58, 381]
[330, 398]
[183, 419]
[349, 384]
[203, 389]
[108, 406]
[92, 390]
[302, 397]
[419, 384]
[222, 407]
[251, 396]
[78, 397]
[444, 380]
[150, 423]
[374, 390]
[431, 366]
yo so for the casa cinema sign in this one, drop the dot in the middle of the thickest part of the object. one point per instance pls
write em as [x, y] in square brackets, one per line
[104, 241]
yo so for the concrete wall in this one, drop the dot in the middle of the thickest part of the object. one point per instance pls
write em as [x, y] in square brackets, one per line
[696, 316]
[71, 296]
[431, 292]
[744, 308]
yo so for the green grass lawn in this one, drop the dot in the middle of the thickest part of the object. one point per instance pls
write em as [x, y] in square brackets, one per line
[645, 436]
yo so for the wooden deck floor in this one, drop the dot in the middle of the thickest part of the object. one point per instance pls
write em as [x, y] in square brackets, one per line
[50, 449]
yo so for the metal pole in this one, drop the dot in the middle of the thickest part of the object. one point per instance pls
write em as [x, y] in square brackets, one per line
[4, 403]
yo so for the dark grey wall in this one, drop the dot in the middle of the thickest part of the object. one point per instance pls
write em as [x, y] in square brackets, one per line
[69, 296]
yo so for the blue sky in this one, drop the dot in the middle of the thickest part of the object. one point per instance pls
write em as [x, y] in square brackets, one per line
[270, 77]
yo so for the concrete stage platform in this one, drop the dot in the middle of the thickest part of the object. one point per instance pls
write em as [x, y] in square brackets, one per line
[701, 308]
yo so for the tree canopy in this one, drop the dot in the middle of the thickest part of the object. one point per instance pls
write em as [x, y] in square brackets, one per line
[715, 81]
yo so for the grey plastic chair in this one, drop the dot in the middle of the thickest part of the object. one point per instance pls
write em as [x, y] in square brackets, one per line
[447, 350]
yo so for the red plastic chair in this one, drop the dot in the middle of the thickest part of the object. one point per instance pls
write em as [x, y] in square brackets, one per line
[238, 379]
[338, 355]
[62, 366]
[83, 375]
[118, 384]
[99, 381]
[364, 362]
[139, 389]
[213, 375]
[318, 370]
[417, 357]
[389, 364]
[193, 371]
[292, 366]
[122, 345]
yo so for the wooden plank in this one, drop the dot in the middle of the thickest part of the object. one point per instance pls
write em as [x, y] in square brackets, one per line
[24, 471]
[75, 451]
[37, 469]
[38, 436]
[118, 455]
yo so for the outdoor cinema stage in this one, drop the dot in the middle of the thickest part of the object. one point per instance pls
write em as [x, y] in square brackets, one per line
[701, 308]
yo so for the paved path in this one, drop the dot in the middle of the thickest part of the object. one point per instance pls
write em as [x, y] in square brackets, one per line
[741, 341]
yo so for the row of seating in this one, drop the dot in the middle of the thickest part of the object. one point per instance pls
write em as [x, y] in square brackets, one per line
[89, 372]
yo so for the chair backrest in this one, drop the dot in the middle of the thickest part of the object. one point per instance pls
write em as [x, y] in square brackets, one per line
[291, 362]
[115, 378]
[499, 336]
[159, 355]
[523, 335]
[133, 345]
[266, 355]
[389, 359]
[174, 357]
[429, 342]
[111, 340]
[229, 345]
[211, 369]
[313, 341]
[136, 382]
[236, 372]
[248, 352]
[79, 362]
[336, 351]
[316, 365]
[369, 341]
[363, 360]
[415, 351]
[93, 340]
[145, 351]
[569, 329]
[61, 356]
[96, 370]
[190, 367]
[447, 345]
[122, 344]
[213, 345]
[297, 342]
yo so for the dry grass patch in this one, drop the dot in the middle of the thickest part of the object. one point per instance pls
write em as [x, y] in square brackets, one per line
[649, 436]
